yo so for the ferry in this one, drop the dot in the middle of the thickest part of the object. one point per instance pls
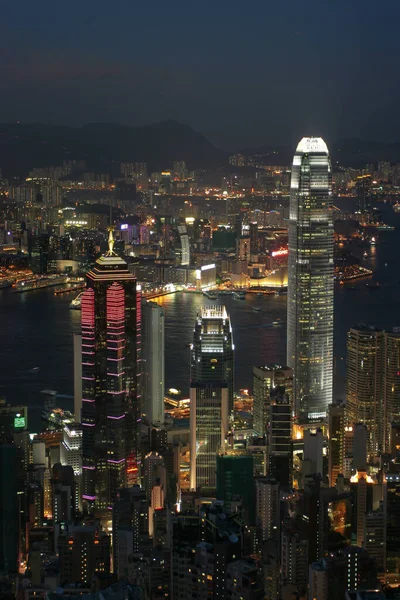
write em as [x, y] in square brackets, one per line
[5, 283]
[239, 295]
[372, 286]
[211, 295]
[31, 284]
[76, 302]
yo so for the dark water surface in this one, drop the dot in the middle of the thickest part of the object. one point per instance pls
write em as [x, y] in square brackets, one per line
[36, 329]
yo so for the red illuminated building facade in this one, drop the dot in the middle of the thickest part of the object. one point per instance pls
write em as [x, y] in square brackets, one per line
[111, 316]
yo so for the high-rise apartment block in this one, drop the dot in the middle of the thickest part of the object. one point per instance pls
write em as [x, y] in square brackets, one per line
[84, 551]
[372, 383]
[268, 508]
[310, 280]
[336, 455]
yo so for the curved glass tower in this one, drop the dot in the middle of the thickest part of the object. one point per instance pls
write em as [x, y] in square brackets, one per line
[310, 284]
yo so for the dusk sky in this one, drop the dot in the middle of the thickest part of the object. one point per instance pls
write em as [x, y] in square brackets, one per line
[241, 73]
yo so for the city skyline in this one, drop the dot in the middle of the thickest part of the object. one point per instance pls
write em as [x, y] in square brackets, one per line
[160, 282]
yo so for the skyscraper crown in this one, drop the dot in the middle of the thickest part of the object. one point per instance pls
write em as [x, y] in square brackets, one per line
[312, 144]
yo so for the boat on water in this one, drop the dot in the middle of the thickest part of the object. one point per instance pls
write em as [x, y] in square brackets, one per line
[211, 295]
[256, 309]
[239, 295]
[374, 285]
[396, 207]
[365, 255]
[34, 370]
[33, 283]
[76, 302]
[57, 418]
[5, 283]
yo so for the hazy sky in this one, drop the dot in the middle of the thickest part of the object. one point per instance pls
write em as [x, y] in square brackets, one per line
[243, 73]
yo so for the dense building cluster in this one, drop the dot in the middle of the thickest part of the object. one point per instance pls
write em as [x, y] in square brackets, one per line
[280, 494]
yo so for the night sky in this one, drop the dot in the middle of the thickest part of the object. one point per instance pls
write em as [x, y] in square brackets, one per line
[242, 73]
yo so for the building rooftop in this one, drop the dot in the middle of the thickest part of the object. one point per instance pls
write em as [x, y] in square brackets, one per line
[312, 144]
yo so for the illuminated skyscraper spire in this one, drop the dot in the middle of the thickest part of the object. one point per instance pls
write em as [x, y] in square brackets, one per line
[310, 285]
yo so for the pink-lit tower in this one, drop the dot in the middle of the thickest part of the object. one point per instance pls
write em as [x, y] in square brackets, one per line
[111, 403]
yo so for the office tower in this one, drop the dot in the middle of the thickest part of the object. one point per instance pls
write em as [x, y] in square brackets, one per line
[375, 539]
[63, 496]
[279, 438]
[243, 248]
[253, 238]
[395, 440]
[153, 363]
[367, 496]
[364, 383]
[243, 581]
[313, 452]
[359, 447]
[391, 384]
[363, 191]
[211, 394]
[310, 280]
[71, 455]
[336, 428]
[318, 581]
[265, 380]
[39, 453]
[77, 376]
[294, 559]
[185, 533]
[154, 470]
[393, 521]
[111, 345]
[35, 503]
[38, 250]
[185, 246]
[203, 547]
[9, 517]
[130, 529]
[348, 569]
[259, 451]
[268, 508]
[83, 551]
[235, 479]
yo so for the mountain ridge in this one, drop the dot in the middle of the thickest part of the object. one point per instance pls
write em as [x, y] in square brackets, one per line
[25, 146]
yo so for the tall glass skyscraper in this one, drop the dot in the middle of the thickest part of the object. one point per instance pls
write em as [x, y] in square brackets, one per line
[211, 394]
[310, 280]
[111, 318]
